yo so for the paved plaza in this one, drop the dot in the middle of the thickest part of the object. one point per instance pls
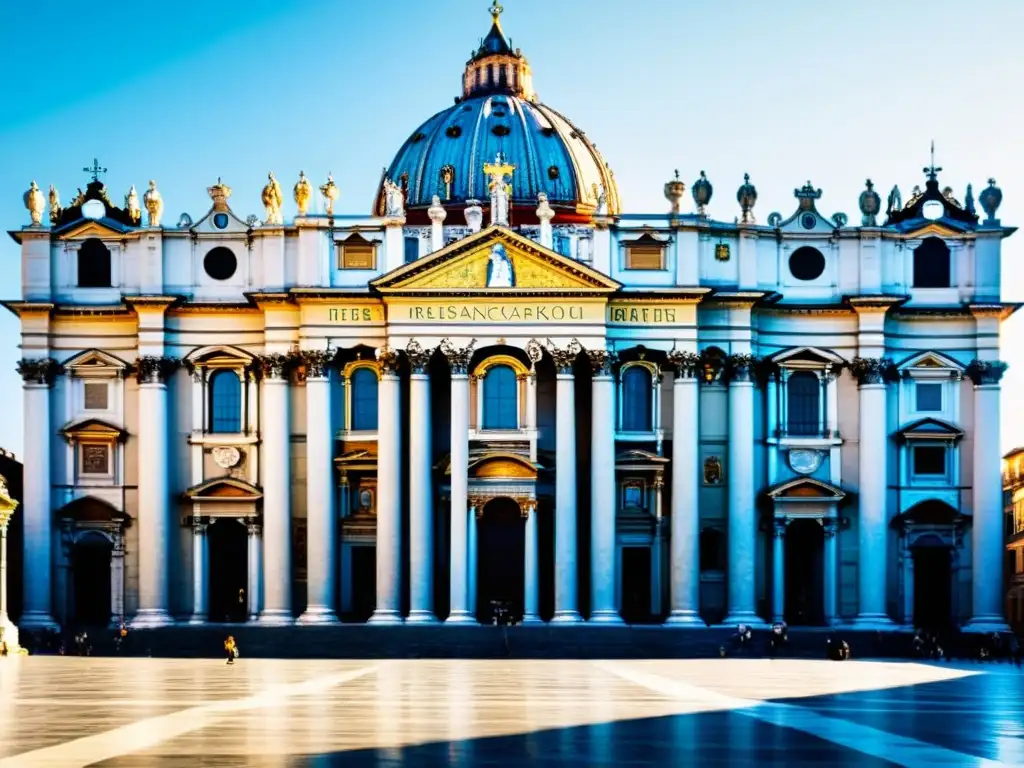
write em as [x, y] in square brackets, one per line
[70, 711]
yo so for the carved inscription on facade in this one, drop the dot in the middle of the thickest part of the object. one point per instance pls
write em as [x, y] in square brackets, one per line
[633, 313]
[351, 314]
[499, 313]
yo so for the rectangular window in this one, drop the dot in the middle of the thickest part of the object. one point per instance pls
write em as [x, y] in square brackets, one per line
[359, 256]
[633, 495]
[95, 459]
[929, 397]
[645, 257]
[412, 249]
[96, 396]
[929, 460]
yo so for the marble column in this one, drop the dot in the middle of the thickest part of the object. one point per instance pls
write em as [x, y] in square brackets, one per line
[460, 611]
[566, 588]
[531, 565]
[987, 545]
[321, 516]
[117, 580]
[389, 492]
[255, 530]
[684, 533]
[739, 474]
[602, 490]
[154, 521]
[831, 569]
[873, 518]
[275, 464]
[779, 569]
[476, 511]
[421, 490]
[37, 526]
[201, 570]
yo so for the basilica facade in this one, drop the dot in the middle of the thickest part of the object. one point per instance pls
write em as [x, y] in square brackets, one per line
[501, 390]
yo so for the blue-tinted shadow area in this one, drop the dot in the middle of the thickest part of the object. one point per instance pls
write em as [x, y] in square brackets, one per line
[980, 716]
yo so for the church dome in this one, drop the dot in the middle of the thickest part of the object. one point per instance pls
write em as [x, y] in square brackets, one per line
[499, 115]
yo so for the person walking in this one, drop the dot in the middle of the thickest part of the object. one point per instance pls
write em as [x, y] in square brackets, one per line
[231, 649]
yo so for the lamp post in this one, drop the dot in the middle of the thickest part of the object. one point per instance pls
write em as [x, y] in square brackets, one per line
[8, 632]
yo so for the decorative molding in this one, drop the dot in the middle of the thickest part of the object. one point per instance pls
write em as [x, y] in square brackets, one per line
[419, 358]
[534, 351]
[41, 370]
[986, 371]
[155, 370]
[564, 358]
[873, 370]
[686, 364]
[458, 359]
[317, 362]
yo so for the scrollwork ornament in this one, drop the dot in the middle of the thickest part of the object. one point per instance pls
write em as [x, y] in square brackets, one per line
[155, 370]
[534, 351]
[419, 358]
[42, 370]
[564, 358]
[986, 371]
[458, 359]
[741, 367]
[276, 365]
[872, 370]
[317, 362]
[686, 364]
[602, 361]
[387, 358]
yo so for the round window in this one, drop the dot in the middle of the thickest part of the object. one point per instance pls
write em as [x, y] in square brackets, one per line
[220, 220]
[808, 220]
[933, 210]
[93, 209]
[220, 263]
[806, 263]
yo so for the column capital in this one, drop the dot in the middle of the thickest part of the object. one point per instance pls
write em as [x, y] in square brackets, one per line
[387, 358]
[872, 370]
[527, 507]
[830, 525]
[155, 370]
[41, 370]
[198, 524]
[779, 526]
[276, 365]
[602, 361]
[419, 358]
[986, 371]
[253, 525]
[686, 364]
[317, 362]
[564, 357]
[458, 359]
[534, 352]
[741, 367]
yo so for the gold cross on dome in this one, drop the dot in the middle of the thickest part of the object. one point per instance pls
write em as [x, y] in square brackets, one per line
[95, 170]
[499, 169]
[496, 10]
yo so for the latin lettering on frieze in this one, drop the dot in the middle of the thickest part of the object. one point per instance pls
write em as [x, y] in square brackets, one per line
[354, 315]
[632, 313]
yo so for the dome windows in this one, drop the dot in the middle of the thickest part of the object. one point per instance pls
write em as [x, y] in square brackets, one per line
[500, 130]
[806, 263]
[553, 173]
[453, 132]
[418, 137]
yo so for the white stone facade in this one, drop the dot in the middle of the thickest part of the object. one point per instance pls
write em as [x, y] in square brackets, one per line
[665, 418]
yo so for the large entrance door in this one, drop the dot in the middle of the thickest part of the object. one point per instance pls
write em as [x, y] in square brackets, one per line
[501, 541]
[90, 563]
[805, 546]
[228, 541]
[933, 587]
[636, 585]
[364, 582]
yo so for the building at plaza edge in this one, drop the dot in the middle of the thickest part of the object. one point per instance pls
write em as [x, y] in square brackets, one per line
[502, 386]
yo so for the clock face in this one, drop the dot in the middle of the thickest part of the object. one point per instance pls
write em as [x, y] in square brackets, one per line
[932, 210]
[93, 209]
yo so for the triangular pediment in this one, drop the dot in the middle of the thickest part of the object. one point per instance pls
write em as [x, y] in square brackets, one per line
[495, 261]
[93, 428]
[929, 428]
[224, 489]
[95, 363]
[806, 489]
[932, 229]
[103, 229]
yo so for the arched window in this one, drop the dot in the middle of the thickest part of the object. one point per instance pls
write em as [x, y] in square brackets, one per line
[93, 264]
[803, 396]
[501, 398]
[225, 402]
[364, 400]
[931, 264]
[636, 400]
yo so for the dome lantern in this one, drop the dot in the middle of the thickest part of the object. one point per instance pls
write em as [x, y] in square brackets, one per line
[495, 67]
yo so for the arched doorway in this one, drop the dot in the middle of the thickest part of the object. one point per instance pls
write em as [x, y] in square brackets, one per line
[501, 544]
[933, 583]
[90, 566]
[229, 569]
[805, 546]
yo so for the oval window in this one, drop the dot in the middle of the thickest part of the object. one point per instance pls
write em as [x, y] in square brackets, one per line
[806, 263]
[220, 263]
[808, 220]
[220, 220]
[93, 209]
[933, 210]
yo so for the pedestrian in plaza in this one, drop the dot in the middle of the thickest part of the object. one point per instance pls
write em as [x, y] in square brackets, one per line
[231, 649]
[3, 649]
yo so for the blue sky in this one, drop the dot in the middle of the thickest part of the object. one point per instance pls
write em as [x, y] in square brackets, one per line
[831, 92]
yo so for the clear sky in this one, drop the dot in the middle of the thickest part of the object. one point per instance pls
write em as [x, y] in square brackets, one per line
[833, 92]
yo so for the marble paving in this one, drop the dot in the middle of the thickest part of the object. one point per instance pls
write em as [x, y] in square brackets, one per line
[134, 713]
